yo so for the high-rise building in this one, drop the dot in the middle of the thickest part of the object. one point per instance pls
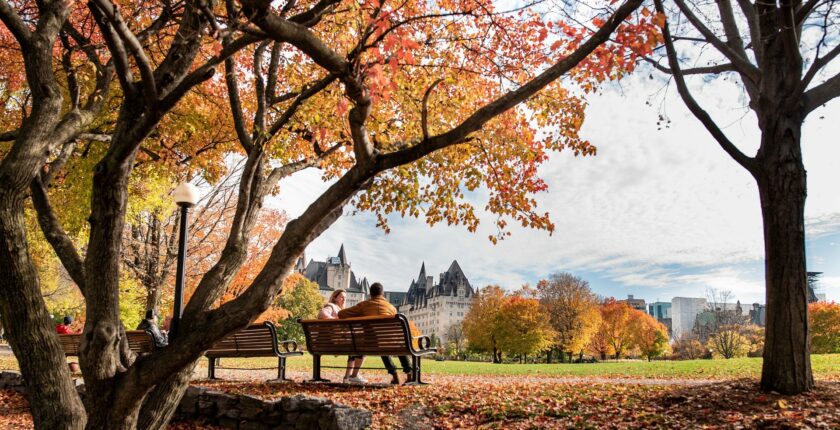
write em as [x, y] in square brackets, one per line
[684, 311]
[662, 312]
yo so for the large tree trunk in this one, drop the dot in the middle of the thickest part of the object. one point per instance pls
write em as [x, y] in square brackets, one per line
[782, 186]
[52, 395]
[161, 402]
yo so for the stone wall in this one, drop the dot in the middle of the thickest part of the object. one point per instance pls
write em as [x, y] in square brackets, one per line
[251, 413]
[245, 412]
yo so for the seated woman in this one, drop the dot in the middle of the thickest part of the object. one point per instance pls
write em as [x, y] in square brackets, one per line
[330, 312]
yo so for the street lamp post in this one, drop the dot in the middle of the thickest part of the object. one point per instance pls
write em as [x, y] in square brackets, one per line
[185, 196]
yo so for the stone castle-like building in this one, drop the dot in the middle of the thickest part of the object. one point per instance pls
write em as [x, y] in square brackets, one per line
[434, 307]
[335, 273]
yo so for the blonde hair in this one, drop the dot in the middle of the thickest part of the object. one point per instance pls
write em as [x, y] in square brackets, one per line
[335, 294]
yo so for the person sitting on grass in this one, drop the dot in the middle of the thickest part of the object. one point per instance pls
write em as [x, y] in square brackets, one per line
[379, 306]
[330, 312]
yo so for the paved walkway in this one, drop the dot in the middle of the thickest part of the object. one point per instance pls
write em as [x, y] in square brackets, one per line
[377, 377]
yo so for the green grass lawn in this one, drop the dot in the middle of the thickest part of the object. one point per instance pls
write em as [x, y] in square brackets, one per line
[825, 367]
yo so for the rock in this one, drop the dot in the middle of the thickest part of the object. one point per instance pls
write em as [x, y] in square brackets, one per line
[344, 418]
[253, 425]
[251, 407]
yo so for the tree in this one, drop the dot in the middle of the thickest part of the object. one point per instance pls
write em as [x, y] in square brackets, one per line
[484, 85]
[728, 342]
[456, 339]
[824, 319]
[780, 54]
[649, 336]
[688, 347]
[720, 314]
[599, 346]
[301, 300]
[523, 327]
[755, 338]
[615, 325]
[482, 323]
[572, 308]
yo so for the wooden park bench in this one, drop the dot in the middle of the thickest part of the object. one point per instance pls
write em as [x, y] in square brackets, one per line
[140, 341]
[258, 340]
[365, 336]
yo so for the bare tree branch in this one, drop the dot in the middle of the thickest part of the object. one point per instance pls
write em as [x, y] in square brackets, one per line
[119, 56]
[719, 68]
[692, 104]
[424, 112]
[15, 25]
[741, 63]
[821, 94]
[236, 105]
[55, 234]
[128, 38]
[818, 64]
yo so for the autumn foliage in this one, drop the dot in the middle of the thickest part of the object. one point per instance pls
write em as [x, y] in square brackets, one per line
[824, 321]
[561, 314]
[407, 106]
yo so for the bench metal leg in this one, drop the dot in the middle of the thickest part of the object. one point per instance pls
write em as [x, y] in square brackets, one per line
[316, 369]
[416, 371]
[211, 368]
[281, 368]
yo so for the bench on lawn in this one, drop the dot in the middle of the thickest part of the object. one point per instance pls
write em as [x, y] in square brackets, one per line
[380, 335]
[258, 340]
[140, 341]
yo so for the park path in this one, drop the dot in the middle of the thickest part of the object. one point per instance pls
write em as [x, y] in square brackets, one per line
[381, 378]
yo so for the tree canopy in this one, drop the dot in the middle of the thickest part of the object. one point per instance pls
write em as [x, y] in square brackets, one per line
[405, 106]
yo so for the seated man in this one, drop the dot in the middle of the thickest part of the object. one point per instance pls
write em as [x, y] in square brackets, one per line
[150, 324]
[379, 306]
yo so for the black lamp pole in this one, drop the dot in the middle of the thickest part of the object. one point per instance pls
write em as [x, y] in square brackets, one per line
[185, 196]
[179, 271]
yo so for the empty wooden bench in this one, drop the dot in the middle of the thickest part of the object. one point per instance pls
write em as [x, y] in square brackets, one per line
[258, 340]
[380, 335]
[140, 341]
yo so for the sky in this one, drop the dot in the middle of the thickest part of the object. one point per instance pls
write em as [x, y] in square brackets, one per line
[659, 212]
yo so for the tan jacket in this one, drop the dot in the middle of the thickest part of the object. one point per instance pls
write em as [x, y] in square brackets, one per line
[369, 308]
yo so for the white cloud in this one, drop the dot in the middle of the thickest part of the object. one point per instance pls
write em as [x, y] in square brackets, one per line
[665, 209]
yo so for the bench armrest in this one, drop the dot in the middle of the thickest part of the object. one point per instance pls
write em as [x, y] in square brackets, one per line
[423, 342]
[289, 345]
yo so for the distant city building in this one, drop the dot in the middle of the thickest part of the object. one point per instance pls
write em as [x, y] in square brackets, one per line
[717, 315]
[684, 311]
[637, 304]
[758, 314]
[662, 312]
[333, 274]
[434, 307]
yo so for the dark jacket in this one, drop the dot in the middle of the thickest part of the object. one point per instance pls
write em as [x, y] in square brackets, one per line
[151, 327]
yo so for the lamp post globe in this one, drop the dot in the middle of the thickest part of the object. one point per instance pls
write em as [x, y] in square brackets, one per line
[186, 196]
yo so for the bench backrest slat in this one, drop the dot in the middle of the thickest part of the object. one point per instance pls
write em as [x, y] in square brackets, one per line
[390, 335]
[252, 341]
[140, 341]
